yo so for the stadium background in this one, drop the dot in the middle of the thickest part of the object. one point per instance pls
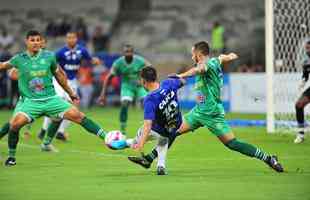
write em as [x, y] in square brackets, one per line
[162, 31]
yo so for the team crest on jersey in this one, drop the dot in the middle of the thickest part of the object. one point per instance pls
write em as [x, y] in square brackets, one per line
[36, 84]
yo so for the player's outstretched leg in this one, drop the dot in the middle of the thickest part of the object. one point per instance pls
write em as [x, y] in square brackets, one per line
[46, 122]
[299, 107]
[4, 129]
[15, 125]
[74, 115]
[247, 149]
[123, 116]
[51, 132]
[150, 157]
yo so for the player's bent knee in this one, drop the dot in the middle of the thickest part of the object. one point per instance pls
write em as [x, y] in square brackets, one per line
[15, 125]
[74, 115]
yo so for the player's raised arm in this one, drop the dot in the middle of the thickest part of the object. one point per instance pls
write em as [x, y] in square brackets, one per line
[227, 58]
[193, 71]
[61, 78]
[5, 65]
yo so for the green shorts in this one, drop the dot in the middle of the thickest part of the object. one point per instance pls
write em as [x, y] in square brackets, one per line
[216, 123]
[131, 92]
[53, 107]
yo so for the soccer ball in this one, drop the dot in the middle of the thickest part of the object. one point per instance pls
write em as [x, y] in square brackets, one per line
[113, 136]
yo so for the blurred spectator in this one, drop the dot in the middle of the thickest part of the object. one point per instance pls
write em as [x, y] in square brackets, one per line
[64, 26]
[100, 40]
[4, 80]
[81, 29]
[6, 40]
[217, 39]
[86, 85]
[51, 29]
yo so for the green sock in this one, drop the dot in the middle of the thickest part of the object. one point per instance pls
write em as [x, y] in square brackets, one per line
[123, 116]
[51, 132]
[12, 142]
[4, 129]
[93, 127]
[247, 149]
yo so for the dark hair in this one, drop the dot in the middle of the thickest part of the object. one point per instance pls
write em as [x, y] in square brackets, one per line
[149, 74]
[128, 46]
[203, 47]
[33, 33]
[71, 32]
[308, 42]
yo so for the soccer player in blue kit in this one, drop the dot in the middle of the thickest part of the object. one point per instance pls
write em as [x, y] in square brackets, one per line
[69, 58]
[162, 116]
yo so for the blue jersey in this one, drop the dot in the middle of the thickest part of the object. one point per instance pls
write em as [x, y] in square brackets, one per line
[162, 107]
[70, 59]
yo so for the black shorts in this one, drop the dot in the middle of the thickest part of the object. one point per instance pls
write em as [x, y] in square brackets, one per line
[306, 92]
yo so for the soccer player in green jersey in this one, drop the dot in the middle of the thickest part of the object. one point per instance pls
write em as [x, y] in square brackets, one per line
[36, 68]
[209, 110]
[128, 68]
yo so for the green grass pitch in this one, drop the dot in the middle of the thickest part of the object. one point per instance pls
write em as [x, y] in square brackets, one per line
[199, 167]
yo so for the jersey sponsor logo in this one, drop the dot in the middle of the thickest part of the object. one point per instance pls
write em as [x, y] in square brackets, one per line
[38, 73]
[71, 67]
[168, 97]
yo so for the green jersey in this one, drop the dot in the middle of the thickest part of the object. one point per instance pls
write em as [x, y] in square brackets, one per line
[208, 86]
[129, 73]
[35, 74]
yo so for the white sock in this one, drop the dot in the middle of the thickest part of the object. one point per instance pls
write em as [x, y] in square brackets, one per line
[162, 153]
[130, 142]
[64, 124]
[46, 122]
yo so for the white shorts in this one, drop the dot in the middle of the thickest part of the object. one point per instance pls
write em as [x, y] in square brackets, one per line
[61, 92]
[162, 141]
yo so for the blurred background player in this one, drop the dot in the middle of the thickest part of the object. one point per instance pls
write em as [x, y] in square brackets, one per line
[13, 74]
[36, 86]
[128, 68]
[304, 99]
[162, 117]
[69, 58]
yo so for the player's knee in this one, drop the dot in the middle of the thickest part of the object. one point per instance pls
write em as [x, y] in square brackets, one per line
[15, 125]
[74, 115]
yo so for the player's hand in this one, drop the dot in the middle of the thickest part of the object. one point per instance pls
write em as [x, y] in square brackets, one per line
[137, 147]
[75, 99]
[96, 61]
[102, 99]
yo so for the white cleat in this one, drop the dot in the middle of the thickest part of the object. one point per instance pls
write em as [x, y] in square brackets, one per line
[49, 148]
[300, 138]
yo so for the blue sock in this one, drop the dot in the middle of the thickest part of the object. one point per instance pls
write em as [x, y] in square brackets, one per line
[118, 145]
